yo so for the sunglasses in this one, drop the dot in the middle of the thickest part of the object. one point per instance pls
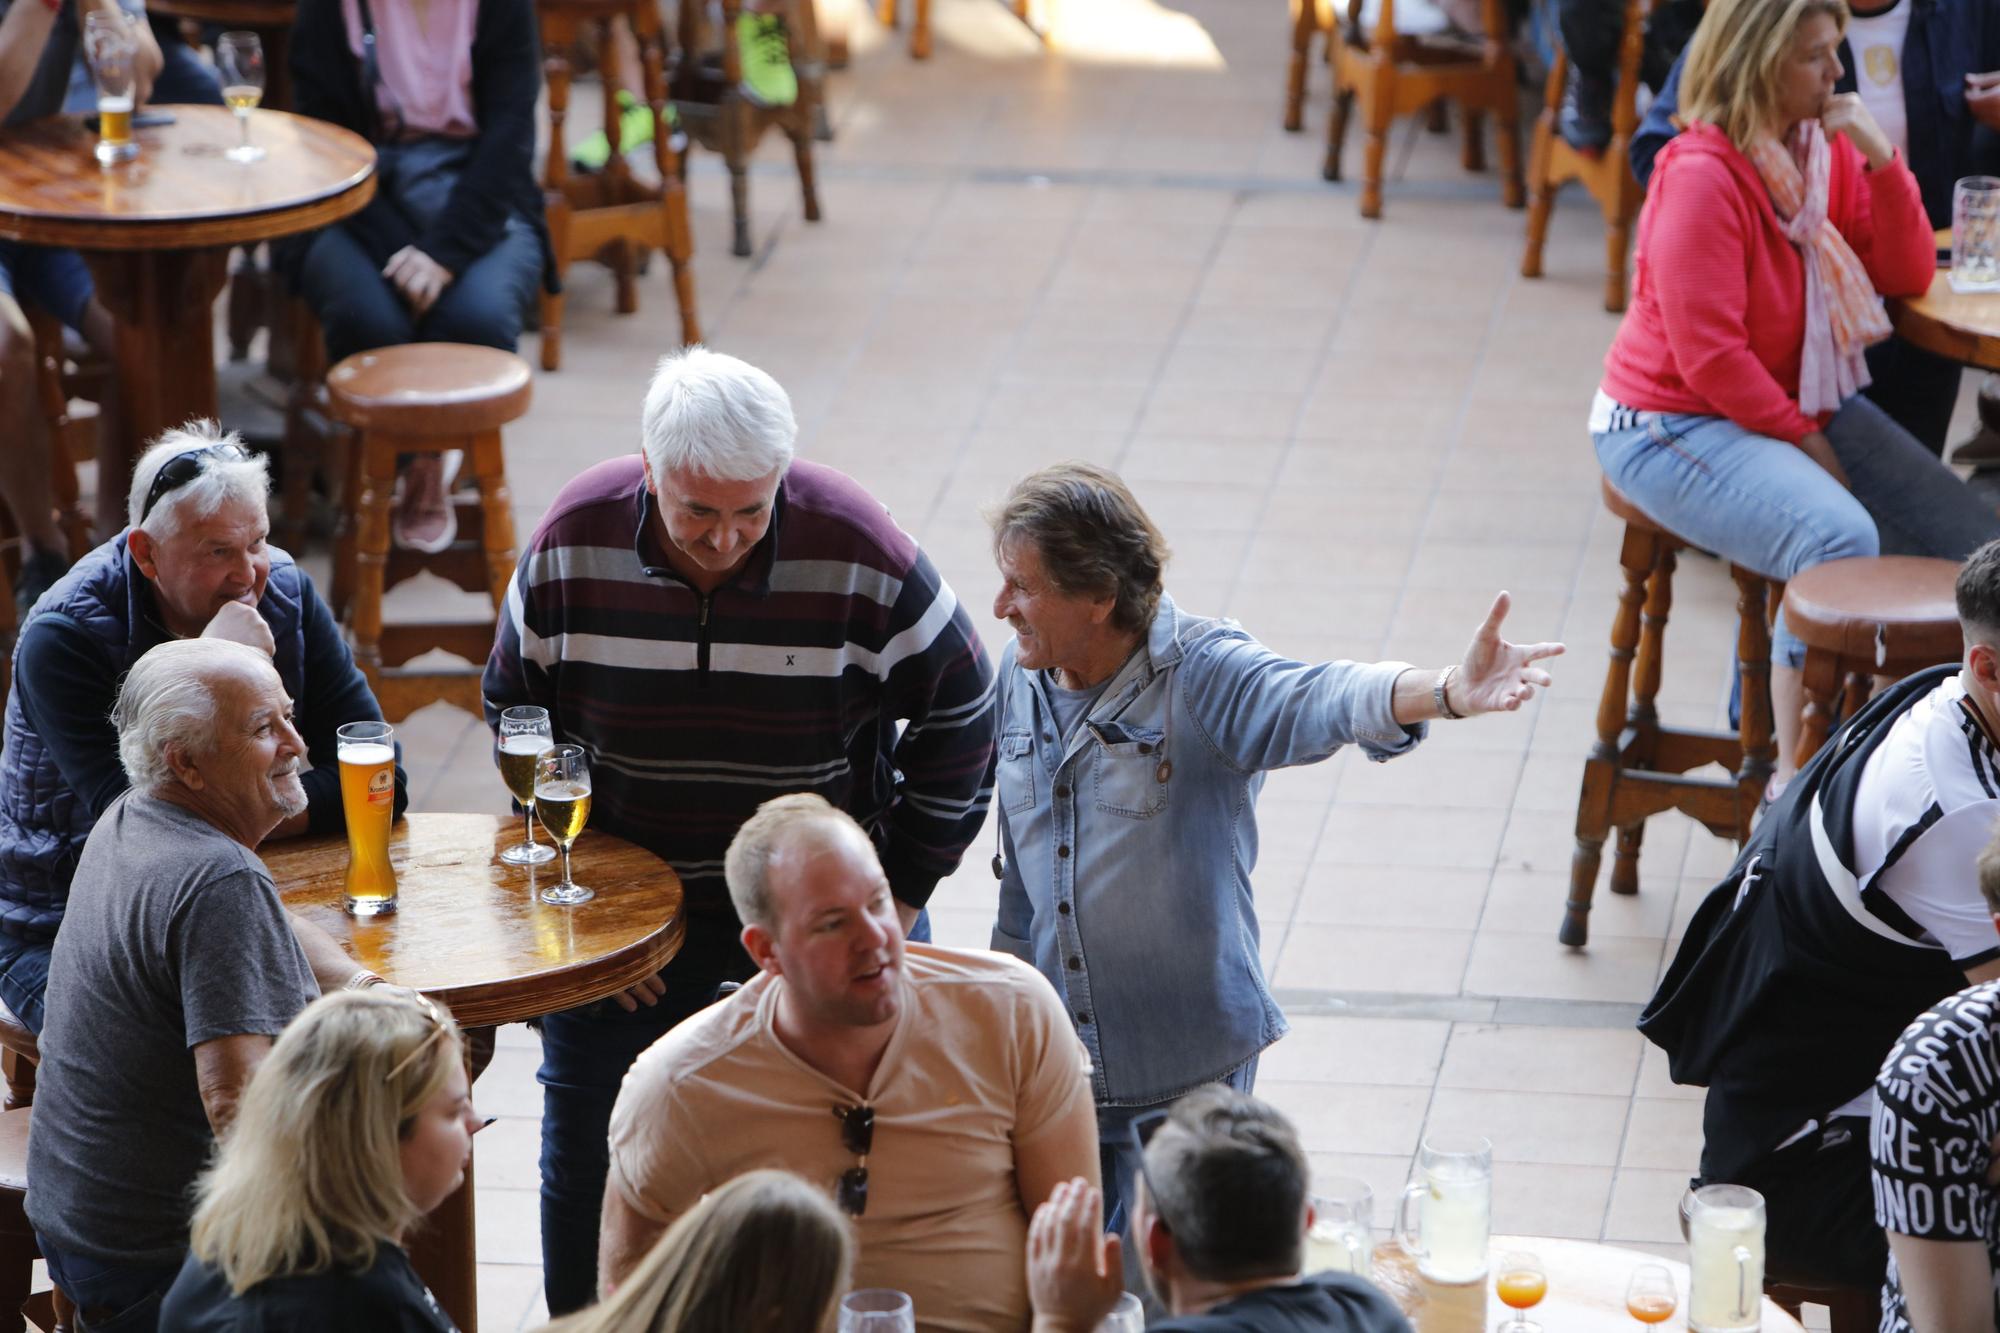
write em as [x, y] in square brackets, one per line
[1142, 1130]
[436, 1034]
[181, 469]
[857, 1135]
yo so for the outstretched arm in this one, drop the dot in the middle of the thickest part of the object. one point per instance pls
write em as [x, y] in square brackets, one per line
[1495, 677]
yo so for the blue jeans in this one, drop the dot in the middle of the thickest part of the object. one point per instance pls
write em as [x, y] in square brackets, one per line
[358, 309]
[1761, 503]
[24, 978]
[585, 1053]
[111, 1300]
[55, 279]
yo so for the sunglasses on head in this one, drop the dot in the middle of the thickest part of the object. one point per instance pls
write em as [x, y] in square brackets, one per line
[181, 469]
[437, 1032]
[857, 1135]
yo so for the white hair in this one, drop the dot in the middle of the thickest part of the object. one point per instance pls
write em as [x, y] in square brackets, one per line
[717, 416]
[223, 482]
[167, 702]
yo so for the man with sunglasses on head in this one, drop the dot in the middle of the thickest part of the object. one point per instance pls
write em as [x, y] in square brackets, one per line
[1220, 1217]
[938, 1095]
[194, 563]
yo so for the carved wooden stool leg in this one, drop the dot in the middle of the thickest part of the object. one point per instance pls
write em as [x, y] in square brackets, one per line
[1304, 24]
[1639, 556]
[1336, 133]
[19, 1072]
[1753, 666]
[802, 152]
[1653, 641]
[1617, 244]
[1507, 135]
[1472, 140]
[1377, 111]
[496, 505]
[378, 477]
[1822, 686]
[1625, 863]
[347, 536]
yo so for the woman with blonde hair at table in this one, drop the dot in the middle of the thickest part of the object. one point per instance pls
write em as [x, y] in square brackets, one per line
[765, 1253]
[1730, 410]
[357, 1124]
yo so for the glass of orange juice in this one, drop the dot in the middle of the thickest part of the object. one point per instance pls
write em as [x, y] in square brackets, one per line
[1651, 1297]
[1520, 1282]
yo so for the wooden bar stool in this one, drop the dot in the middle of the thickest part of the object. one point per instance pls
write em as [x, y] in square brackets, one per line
[20, 1052]
[424, 398]
[1638, 768]
[1310, 18]
[49, 1310]
[1552, 163]
[608, 216]
[1872, 616]
[1397, 74]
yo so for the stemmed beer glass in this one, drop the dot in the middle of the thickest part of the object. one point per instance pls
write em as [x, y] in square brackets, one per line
[524, 733]
[562, 803]
[239, 59]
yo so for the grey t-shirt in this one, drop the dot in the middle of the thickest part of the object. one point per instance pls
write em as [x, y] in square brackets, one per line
[174, 936]
[1070, 706]
[45, 91]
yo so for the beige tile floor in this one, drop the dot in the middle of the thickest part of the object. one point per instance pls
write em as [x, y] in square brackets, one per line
[1352, 432]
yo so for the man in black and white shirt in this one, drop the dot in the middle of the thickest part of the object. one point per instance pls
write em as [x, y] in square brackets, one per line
[1854, 907]
[1936, 1113]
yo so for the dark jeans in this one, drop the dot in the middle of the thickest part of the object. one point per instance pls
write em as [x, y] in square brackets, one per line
[1916, 389]
[24, 978]
[585, 1053]
[109, 1300]
[1819, 1210]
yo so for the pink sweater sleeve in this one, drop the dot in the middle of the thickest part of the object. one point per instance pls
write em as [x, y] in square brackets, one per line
[1697, 250]
[1881, 214]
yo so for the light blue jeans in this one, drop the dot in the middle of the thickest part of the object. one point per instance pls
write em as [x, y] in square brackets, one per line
[1763, 504]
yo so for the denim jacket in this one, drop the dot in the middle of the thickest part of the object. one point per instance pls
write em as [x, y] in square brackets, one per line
[1129, 849]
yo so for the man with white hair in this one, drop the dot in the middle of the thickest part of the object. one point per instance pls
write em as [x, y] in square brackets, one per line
[193, 563]
[175, 968]
[718, 625]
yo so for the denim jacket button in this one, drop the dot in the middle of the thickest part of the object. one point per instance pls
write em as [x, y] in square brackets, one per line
[1075, 964]
[1083, 1017]
[1062, 792]
[1063, 908]
[1063, 850]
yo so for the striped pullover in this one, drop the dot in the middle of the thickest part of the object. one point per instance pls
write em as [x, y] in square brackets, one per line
[791, 677]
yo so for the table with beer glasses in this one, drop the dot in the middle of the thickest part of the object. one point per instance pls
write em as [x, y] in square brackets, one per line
[1960, 326]
[156, 230]
[1587, 1286]
[475, 934]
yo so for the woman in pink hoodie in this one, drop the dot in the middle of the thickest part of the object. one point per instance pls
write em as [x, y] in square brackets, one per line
[1730, 408]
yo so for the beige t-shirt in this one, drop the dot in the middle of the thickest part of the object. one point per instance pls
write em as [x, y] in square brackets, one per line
[983, 1061]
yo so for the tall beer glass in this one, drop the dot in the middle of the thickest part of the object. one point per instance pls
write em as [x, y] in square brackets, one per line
[113, 49]
[524, 734]
[562, 803]
[368, 796]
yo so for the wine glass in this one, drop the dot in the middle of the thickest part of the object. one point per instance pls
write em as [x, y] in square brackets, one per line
[562, 803]
[1520, 1282]
[524, 733]
[1128, 1316]
[1651, 1297]
[239, 59]
[877, 1310]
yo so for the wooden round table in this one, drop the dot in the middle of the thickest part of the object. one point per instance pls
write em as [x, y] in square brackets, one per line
[157, 230]
[1963, 326]
[1586, 1290]
[476, 935]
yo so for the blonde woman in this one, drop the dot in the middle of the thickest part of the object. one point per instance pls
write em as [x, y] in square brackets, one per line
[1730, 408]
[356, 1125]
[765, 1253]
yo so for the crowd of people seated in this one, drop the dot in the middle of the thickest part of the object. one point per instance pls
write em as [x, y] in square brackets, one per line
[237, 1127]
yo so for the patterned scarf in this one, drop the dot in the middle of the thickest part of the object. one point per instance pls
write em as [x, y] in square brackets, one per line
[1844, 316]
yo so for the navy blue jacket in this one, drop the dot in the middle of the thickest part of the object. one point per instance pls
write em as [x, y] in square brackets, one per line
[59, 768]
[1947, 40]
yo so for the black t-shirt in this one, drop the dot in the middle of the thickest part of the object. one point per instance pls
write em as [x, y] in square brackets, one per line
[1322, 1303]
[388, 1298]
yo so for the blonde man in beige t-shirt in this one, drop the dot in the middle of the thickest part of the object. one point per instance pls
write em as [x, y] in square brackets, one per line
[939, 1095]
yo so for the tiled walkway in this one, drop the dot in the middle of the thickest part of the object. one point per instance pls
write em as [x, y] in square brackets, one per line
[1352, 433]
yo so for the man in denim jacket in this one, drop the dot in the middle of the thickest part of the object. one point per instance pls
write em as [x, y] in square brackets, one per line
[1133, 741]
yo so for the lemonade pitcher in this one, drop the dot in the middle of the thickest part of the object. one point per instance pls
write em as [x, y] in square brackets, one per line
[1452, 1197]
[1726, 1253]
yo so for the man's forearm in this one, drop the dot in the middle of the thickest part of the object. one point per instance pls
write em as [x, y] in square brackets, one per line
[331, 966]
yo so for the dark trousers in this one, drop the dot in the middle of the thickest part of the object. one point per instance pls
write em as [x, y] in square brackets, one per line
[1918, 390]
[585, 1053]
[1819, 1209]
[109, 1300]
[24, 978]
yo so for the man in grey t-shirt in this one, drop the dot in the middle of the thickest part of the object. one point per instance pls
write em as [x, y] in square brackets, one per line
[176, 966]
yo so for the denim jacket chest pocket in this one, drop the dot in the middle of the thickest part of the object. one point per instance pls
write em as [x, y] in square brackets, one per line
[1130, 770]
[1016, 775]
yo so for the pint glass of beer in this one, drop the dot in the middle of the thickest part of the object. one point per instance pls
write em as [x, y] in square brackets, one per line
[368, 796]
[109, 42]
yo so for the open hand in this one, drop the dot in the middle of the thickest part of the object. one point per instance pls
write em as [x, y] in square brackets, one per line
[419, 278]
[1075, 1271]
[1982, 98]
[1847, 114]
[647, 993]
[1498, 676]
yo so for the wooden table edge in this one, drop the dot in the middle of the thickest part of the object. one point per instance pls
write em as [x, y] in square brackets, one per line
[491, 1003]
[193, 233]
[1924, 331]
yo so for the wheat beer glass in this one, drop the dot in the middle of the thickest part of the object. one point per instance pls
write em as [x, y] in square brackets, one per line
[112, 48]
[524, 734]
[368, 797]
[1726, 1252]
[1453, 1198]
[562, 803]
[239, 60]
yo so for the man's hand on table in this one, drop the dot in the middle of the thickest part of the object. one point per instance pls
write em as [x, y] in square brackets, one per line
[419, 278]
[239, 623]
[1982, 98]
[647, 993]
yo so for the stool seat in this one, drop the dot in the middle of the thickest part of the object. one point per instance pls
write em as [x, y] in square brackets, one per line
[1881, 609]
[1625, 510]
[429, 389]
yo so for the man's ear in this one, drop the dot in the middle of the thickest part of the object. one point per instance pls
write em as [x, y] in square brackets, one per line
[646, 470]
[144, 553]
[183, 769]
[1158, 1250]
[1984, 664]
[758, 942]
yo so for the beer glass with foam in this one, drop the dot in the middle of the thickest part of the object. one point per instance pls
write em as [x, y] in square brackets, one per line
[109, 42]
[562, 803]
[1452, 1196]
[1726, 1253]
[525, 733]
[367, 753]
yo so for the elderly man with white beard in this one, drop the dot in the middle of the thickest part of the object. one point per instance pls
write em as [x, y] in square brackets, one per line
[176, 967]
